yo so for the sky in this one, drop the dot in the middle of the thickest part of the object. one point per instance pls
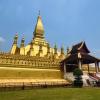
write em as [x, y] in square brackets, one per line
[66, 22]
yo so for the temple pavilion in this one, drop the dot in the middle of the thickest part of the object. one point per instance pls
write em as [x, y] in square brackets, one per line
[77, 56]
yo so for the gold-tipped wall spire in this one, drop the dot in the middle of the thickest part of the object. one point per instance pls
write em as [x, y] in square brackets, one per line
[22, 42]
[48, 48]
[55, 49]
[62, 50]
[14, 46]
[15, 39]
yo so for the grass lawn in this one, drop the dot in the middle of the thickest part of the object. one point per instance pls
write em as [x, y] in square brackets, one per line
[52, 94]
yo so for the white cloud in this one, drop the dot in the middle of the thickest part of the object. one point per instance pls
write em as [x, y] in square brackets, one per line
[2, 39]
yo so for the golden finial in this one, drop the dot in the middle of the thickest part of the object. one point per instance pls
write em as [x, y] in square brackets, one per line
[39, 12]
[16, 34]
[23, 36]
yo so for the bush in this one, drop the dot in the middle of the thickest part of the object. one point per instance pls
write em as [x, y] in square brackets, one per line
[77, 72]
[78, 82]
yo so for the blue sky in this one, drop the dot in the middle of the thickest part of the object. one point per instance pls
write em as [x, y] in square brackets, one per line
[66, 22]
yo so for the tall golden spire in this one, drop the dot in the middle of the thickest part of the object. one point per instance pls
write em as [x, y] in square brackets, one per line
[39, 29]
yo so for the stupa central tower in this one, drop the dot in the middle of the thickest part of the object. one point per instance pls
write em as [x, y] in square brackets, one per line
[39, 29]
[38, 45]
[39, 33]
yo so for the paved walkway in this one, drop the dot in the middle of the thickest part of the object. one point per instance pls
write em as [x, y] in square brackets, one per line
[13, 68]
[31, 80]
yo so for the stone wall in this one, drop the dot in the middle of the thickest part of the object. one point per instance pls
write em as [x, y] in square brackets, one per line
[28, 61]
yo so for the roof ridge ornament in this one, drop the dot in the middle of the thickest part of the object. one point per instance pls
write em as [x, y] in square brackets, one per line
[82, 43]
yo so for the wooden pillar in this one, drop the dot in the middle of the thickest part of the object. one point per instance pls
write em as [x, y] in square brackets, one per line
[88, 68]
[64, 67]
[80, 64]
[64, 70]
[96, 67]
[79, 60]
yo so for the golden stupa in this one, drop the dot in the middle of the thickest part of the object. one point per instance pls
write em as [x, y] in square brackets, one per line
[38, 45]
[37, 54]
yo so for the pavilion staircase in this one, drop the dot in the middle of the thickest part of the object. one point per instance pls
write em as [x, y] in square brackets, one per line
[70, 77]
[94, 76]
[85, 77]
